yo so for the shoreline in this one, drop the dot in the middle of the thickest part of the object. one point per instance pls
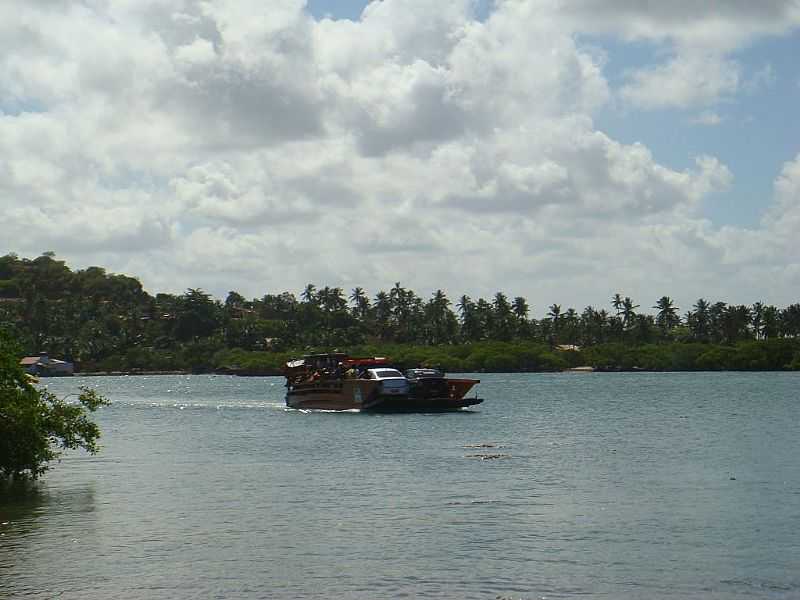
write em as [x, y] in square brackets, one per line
[572, 370]
[129, 373]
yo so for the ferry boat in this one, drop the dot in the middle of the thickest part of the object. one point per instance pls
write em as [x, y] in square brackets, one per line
[336, 381]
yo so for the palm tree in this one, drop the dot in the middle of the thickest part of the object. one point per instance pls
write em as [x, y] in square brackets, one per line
[617, 302]
[571, 326]
[440, 322]
[309, 294]
[734, 322]
[757, 319]
[554, 314]
[360, 302]
[592, 326]
[470, 328]
[464, 305]
[628, 313]
[699, 321]
[484, 319]
[667, 316]
[502, 317]
[520, 308]
[383, 314]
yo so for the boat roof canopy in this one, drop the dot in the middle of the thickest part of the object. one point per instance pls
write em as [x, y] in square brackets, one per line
[334, 359]
[366, 361]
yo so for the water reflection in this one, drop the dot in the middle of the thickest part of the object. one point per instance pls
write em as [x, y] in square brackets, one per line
[37, 521]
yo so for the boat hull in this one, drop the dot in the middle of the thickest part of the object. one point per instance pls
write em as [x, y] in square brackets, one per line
[421, 405]
[364, 395]
[334, 394]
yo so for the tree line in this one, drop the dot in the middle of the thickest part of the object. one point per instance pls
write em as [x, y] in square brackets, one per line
[107, 321]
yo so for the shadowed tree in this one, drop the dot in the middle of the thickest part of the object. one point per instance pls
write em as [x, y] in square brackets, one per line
[790, 321]
[593, 325]
[735, 321]
[643, 328]
[197, 315]
[770, 327]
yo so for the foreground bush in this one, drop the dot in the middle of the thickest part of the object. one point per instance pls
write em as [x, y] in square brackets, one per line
[35, 425]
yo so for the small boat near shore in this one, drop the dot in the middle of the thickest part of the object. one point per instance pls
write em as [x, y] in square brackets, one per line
[336, 381]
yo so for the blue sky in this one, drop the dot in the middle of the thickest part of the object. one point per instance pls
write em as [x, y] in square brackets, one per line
[560, 151]
[759, 131]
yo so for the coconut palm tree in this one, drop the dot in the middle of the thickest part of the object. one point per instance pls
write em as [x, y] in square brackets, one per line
[360, 302]
[382, 310]
[628, 313]
[757, 319]
[617, 302]
[667, 316]
[699, 321]
[309, 294]
[554, 314]
[520, 308]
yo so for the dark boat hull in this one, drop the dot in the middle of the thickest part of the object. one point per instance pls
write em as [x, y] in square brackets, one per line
[364, 396]
[421, 405]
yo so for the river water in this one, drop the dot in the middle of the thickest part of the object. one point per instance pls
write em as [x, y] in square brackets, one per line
[558, 486]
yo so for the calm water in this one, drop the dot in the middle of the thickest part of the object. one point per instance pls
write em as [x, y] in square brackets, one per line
[609, 486]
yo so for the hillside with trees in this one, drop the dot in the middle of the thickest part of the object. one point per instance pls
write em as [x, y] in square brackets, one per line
[107, 322]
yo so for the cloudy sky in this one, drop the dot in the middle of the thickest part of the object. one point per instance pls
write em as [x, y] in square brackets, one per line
[558, 150]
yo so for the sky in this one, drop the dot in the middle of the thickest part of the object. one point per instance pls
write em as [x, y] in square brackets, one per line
[560, 151]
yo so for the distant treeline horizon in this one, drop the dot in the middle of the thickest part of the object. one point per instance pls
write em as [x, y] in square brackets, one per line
[106, 321]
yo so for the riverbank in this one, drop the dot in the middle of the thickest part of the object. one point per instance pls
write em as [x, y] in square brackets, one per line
[482, 357]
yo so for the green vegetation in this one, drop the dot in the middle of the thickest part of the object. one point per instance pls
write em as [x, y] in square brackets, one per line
[107, 322]
[35, 425]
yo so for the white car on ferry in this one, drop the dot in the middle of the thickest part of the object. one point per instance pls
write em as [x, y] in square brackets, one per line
[393, 382]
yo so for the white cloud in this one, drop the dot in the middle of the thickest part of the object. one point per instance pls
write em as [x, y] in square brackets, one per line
[722, 26]
[700, 39]
[784, 216]
[233, 145]
[688, 80]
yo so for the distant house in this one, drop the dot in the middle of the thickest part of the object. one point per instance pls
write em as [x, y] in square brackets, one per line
[44, 366]
[568, 347]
